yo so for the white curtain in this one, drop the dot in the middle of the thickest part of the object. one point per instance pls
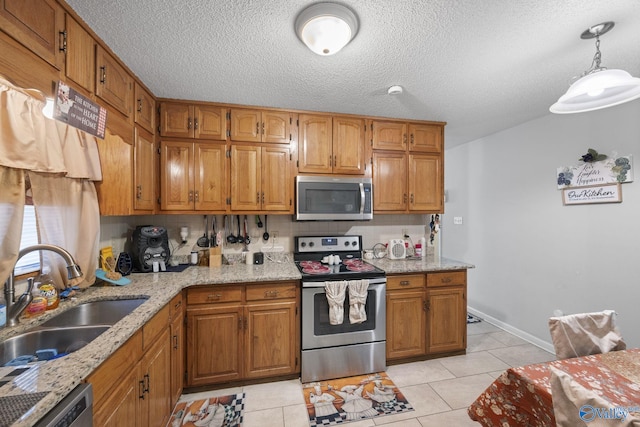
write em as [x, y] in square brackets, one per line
[61, 163]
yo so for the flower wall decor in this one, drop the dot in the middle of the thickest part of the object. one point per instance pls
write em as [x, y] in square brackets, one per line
[595, 169]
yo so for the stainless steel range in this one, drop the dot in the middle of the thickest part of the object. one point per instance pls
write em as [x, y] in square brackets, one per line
[340, 337]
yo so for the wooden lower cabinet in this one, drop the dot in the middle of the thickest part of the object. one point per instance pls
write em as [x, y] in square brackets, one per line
[426, 314]
[177, 348]
[132, 387]
[242, 332]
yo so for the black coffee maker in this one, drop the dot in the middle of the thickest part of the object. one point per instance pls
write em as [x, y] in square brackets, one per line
[150, 244]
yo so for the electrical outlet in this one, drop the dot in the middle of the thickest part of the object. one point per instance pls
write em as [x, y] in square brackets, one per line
[457, 220]
[274, 234]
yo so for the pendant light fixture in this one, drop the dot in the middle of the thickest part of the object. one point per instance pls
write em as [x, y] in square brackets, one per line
[326, 27]
[598, 87]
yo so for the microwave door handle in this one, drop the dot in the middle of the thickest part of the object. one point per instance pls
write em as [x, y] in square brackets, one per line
[362, 199]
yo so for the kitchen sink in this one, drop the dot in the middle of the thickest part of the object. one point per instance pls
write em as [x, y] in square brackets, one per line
[107, 312]
[63, 340]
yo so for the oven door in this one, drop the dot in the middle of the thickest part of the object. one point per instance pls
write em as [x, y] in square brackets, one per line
[317, 332]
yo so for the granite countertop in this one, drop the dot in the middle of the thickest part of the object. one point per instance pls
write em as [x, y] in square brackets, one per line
[60, 376]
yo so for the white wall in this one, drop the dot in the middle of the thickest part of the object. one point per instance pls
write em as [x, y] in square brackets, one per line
[532, 254]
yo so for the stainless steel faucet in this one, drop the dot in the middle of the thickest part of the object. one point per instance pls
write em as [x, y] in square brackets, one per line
[15, 308]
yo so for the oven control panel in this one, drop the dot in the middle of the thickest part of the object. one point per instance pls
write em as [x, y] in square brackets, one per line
[328, 243]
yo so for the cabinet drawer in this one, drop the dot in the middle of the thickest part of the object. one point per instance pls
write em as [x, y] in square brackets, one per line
[176, 308]
[271, 291]
[214, 294]
[405, 282]
[153, 328]
[447, 278]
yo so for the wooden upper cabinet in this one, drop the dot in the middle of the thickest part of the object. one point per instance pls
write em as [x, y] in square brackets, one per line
[348, 145]
[426, 188]
[425, 138]
[277, 182]
[389, 135]
[315, 149]
[144, 171]
[390, 182]
[145, 108]
[79, 49]
[38, 25]
[113, 83]
[182, 120]
[210, 174]
[260, 126]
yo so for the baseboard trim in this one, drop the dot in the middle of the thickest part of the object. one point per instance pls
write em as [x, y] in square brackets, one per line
[545, 345]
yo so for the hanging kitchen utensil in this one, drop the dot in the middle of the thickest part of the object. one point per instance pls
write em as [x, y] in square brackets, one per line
[239, 238]
[230, 237]
[247, 239]
[203, 241]
[258, 221]
[265, 236]
[214, 237]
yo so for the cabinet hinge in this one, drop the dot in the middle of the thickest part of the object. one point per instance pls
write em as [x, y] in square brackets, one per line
[290, 157]
[158, 150]
[371, 126]
[290, 120]
[159, 201]
[297, 163]
[290, 137]
[229, 201]
[298, 122]
[290, 203]
[296, 361]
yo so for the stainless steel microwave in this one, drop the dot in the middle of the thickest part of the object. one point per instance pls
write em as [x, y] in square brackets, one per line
[325, 198]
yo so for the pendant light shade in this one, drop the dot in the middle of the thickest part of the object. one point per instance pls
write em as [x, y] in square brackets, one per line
[326, 27]
[598, 87]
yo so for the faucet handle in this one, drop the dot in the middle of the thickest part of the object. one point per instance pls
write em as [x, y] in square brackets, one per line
[29, 285]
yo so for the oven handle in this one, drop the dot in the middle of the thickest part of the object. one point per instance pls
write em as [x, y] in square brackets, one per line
[362, 198]
[378, 281]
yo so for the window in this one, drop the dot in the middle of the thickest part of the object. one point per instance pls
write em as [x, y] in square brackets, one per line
[30, 262]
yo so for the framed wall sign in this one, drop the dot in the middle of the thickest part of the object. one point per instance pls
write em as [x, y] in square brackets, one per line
[603, 193]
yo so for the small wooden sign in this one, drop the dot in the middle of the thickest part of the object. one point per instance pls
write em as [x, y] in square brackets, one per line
[79, 111]
[605, 193]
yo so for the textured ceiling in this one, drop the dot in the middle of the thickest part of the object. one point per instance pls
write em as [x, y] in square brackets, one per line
[481, 66]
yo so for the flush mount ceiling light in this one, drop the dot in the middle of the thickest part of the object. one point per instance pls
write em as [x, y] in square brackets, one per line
[326, 27]
[597, 87]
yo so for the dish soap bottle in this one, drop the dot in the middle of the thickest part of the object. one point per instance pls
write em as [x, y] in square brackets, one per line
[48, 290]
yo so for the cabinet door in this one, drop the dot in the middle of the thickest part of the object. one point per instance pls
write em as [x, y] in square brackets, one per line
[37, 24]
[115, 191]
[113, 84]
[176, 120]
[177, 357]
[176, 175]
[425, 183]
[79, 48]
[389, 182]
[156, 374]
[210, 177]
[121, 406]
[406, 324]
[447, 319]
[276, 179]
[245, 125]
[245, 178]
[209, 122]
[144, 175]
[270, 338]
[425, 138]
[348, 145]
[145, 114]
[389, 135]
[214, 347]
[276, 127]
[315, 152]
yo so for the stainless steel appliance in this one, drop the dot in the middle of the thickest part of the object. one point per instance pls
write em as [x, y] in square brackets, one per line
[325, 198]
[334, 351]
[76, 409]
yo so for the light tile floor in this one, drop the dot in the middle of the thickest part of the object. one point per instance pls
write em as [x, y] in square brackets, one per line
[440, 390]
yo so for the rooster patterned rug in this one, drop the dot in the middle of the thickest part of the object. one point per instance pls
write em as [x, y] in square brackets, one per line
[223, 411]
[344, 400]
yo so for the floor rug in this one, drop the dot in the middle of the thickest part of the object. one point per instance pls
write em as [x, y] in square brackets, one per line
[473, 319]
[343, 400]
[222, 411]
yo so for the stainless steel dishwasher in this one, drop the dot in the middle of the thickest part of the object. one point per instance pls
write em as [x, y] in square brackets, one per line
[74, 410]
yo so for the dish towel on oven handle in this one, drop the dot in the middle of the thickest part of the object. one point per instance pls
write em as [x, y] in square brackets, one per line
[335, 292]
[358, 300]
